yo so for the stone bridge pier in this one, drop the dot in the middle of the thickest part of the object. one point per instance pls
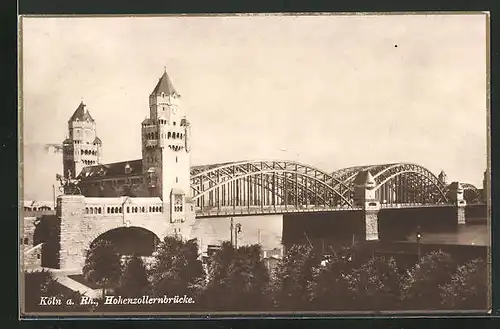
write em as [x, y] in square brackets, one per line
[364, 197]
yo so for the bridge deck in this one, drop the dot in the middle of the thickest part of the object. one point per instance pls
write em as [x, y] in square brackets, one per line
[260, 210]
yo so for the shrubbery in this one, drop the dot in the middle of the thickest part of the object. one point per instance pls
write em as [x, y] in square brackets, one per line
[237, 280]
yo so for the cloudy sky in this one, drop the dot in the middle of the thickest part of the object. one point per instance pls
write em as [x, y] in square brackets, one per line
[330, 91]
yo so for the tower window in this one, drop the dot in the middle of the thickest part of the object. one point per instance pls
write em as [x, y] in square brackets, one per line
[176, 159]
[177, 179]
[174, 123]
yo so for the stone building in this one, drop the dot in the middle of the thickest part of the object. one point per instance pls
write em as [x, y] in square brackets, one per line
[135, 203]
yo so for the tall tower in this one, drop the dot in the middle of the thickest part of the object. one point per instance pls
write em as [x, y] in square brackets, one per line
[443, 178]
[82, 147]
[166, 149]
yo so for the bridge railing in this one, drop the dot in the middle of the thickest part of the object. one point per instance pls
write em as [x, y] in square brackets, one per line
[414, 205]
[245, 210]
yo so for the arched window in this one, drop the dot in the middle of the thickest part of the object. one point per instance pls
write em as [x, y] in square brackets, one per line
[177, 179]
[112, 210]
[128, 209]
[159, 209]
[26, 241]
[174, 123]
[169, 134]
[95, 210]
[135, 209]
[176, 159]
[91, 210]
[86, 210]
[143, 210]
[120, 210]
[81, 152]
[99, 210]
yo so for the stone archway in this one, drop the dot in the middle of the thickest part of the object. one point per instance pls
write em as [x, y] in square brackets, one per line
[130, 240]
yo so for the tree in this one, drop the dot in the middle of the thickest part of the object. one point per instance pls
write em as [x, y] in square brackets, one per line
[237, 278]
[292, 277]
[333, 286]
[377, 284]
[468, 287]
[134, 281]
[177, 269]
[102, 265]
[420, 287]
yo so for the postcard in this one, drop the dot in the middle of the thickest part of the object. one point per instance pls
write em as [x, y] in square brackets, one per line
[229, 165]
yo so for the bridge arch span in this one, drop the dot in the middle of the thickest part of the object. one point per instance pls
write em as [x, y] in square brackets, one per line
[400, 182]
[265, 183]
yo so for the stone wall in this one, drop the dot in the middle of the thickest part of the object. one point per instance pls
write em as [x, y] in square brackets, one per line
[28, 227]
[31, 258]
[81, 224]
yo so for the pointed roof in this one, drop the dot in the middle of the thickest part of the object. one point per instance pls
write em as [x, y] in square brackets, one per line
[364, 178]
[81, 114]
[164, 85]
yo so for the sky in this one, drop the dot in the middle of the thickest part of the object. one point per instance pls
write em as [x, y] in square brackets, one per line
[331, 91]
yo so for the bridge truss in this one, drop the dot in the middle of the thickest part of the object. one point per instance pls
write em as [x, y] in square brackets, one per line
[276, 185]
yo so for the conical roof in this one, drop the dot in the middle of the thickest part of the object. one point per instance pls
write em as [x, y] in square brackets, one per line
[164, 85]
[364, 178]
[81, 114]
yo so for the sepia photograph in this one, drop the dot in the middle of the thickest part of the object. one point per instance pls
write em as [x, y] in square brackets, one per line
[246, 164]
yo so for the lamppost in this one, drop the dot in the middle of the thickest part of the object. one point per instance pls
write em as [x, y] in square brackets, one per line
[237, 229]
[419, 237]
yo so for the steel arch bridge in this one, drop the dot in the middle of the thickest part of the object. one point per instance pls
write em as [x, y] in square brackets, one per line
[275, 186]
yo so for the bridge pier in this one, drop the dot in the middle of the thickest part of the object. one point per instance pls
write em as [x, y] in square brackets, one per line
[456, 196]
[364, 196]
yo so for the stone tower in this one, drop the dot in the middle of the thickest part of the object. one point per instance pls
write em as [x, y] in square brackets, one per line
[166, 149]
[365, 197]
[82, 147]
[443, 178]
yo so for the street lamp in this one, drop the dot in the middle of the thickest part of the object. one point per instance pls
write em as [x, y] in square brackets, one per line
[419, 237]
[237, 229]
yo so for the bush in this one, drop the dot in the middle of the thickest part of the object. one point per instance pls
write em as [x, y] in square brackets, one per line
[468, 287]
[377, 285]
[420, 287]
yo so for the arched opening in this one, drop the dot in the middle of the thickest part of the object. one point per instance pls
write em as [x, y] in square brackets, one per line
[144, 241]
